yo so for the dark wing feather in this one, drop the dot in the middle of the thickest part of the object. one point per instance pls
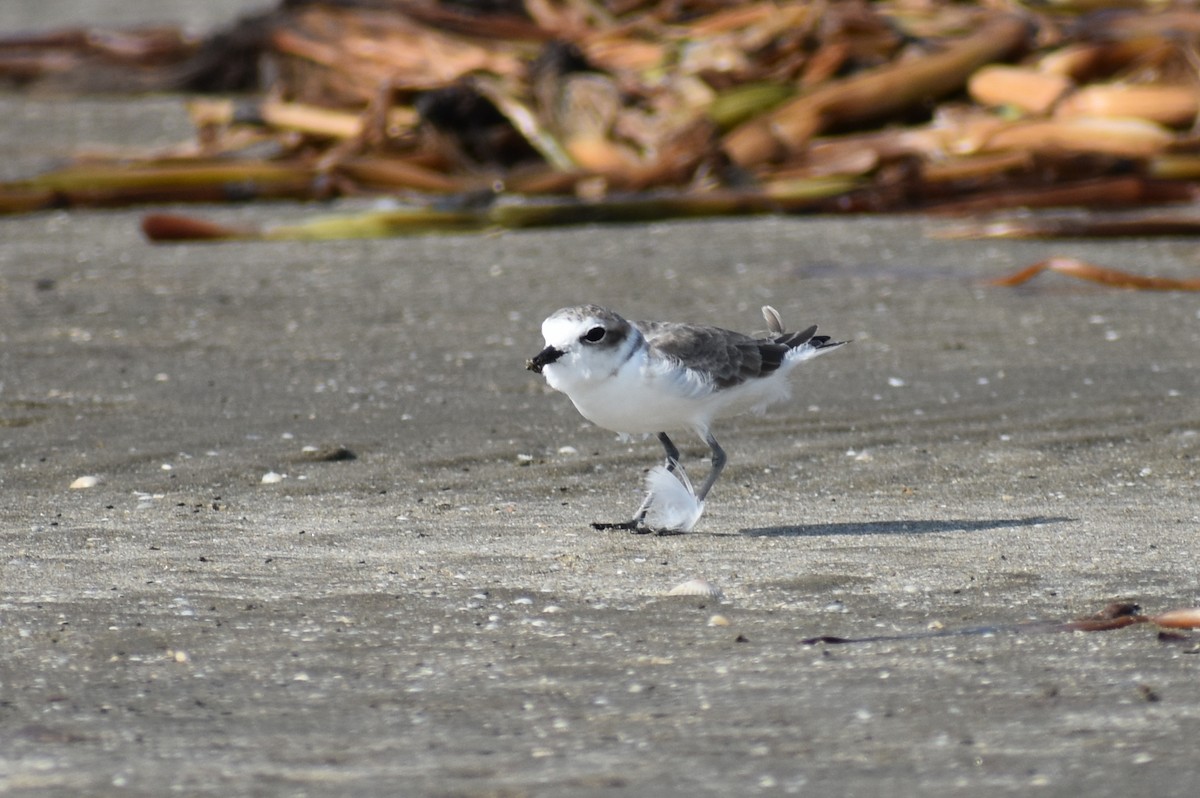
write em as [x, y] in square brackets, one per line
[732, 358]
[794, 339]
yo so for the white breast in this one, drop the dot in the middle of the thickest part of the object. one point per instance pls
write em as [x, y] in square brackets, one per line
[646, 396]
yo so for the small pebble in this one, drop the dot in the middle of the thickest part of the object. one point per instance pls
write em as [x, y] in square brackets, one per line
[85, 482]
[270, 478]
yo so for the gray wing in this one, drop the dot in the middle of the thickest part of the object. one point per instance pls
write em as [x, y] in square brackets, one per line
[731, 358]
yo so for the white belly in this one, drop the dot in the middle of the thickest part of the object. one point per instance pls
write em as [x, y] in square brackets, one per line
[639, 399]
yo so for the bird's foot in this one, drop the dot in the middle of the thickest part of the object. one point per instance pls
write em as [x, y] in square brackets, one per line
[637, 526]
[633, 525]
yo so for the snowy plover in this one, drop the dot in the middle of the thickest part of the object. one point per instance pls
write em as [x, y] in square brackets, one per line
[657, 377]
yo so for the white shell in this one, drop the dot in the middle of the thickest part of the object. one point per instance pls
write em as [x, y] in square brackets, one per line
[85, 482]
[696, 587]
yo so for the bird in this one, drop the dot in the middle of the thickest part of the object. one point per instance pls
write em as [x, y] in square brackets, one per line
[659, 377]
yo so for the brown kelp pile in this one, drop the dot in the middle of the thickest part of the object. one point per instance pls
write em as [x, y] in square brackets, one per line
[557, 111]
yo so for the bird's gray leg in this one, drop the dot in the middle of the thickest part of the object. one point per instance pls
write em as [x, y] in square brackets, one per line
[637, 523]
[672, 451]
[718, 463]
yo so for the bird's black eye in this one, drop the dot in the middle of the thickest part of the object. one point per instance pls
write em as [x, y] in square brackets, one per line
[595, 334]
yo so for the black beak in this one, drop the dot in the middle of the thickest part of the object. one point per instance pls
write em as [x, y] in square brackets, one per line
[544, 358]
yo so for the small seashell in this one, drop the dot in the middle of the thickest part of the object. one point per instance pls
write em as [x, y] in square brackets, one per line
[85, 482]
[325, 454]
[718, 620]
[271, 477]
[696, 587]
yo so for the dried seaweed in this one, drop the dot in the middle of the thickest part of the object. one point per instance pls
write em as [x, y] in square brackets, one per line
[565, 110]
[1116, 615]
[1073, 267]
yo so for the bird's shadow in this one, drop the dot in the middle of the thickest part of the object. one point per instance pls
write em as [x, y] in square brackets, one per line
[900, 527]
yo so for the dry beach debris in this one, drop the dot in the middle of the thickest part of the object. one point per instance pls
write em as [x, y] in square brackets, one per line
[901, 105]
[519, 113]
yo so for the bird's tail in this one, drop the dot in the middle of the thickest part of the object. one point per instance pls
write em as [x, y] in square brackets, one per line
[816, 344]
[823, 342]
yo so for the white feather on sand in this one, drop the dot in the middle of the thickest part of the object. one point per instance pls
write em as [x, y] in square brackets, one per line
[671, 504]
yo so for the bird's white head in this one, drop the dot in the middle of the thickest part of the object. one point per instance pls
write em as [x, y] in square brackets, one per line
[583, 343]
